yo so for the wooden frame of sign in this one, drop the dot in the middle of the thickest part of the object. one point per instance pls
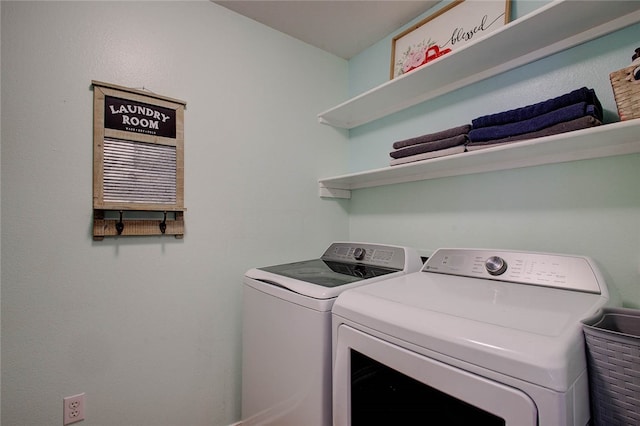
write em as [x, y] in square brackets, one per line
[138, 162]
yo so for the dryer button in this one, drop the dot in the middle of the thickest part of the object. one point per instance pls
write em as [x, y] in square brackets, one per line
[495, 265]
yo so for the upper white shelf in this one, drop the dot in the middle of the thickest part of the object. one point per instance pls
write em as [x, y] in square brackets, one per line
[602, 141]
[554, 27]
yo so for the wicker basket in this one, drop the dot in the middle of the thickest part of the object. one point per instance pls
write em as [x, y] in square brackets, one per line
[613, 357]
[626, 92]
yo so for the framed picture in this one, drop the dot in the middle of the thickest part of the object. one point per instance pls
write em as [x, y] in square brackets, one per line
[138, 162]
[459, 23]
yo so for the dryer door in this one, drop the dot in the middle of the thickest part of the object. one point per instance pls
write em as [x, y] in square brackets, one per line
[374, 380]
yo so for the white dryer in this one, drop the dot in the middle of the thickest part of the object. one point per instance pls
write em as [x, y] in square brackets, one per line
[477, 337]
[286, 362]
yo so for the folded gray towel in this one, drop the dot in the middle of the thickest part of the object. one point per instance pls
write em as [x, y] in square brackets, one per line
[429, 146]
[444, 134]
[428, 155]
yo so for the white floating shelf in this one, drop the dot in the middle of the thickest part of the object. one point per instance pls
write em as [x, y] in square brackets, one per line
[602, 141]
[554, 27]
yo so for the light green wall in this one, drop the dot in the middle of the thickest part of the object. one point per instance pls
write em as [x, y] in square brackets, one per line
[587, 207]
[149, 327]
[370, 67]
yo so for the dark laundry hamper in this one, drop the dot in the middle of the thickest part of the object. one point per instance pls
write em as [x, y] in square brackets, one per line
[613, 358]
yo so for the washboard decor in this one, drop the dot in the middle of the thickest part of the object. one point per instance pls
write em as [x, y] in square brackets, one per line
[138, 163]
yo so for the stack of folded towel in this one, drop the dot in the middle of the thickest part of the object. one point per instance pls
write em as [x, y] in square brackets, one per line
[575, 110]
[446, 142]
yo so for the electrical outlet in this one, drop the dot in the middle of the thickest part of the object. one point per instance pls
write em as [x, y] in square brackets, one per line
[73, 409]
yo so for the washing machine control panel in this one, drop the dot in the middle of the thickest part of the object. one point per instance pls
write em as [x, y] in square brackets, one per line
[370, 254]
[550, 270]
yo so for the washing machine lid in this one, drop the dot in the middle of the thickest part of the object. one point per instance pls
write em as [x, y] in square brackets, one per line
[343, 265]
[327, 273]
[530, 331]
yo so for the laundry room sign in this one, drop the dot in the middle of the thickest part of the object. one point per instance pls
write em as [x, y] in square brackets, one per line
[132, 116]
[138, 164]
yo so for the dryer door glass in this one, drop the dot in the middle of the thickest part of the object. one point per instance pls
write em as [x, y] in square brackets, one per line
[378, 382]
[382, 395]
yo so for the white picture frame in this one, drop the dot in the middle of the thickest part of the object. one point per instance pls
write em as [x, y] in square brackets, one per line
[457, 24]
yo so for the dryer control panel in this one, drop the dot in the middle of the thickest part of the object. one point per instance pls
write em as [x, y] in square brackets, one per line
[544, 269]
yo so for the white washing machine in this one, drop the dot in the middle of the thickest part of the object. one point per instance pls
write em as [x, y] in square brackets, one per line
[477, 337]
[286, 362]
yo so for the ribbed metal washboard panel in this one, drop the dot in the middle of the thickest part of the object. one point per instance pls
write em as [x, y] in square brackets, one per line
[137, 172]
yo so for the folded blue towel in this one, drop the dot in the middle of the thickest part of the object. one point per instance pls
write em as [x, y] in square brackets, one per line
[520, 114]
[564, 127]
[534, 124]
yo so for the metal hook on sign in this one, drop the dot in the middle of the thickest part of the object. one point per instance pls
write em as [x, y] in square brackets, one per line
[163, 224]
[120, 224]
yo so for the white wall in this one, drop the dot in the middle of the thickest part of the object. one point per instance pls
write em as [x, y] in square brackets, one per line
[149, 327]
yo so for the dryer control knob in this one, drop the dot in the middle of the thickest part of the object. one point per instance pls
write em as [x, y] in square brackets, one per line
[359, 253]
[495, 265]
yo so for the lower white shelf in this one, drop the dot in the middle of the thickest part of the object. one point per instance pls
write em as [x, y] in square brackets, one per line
[602, 141]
